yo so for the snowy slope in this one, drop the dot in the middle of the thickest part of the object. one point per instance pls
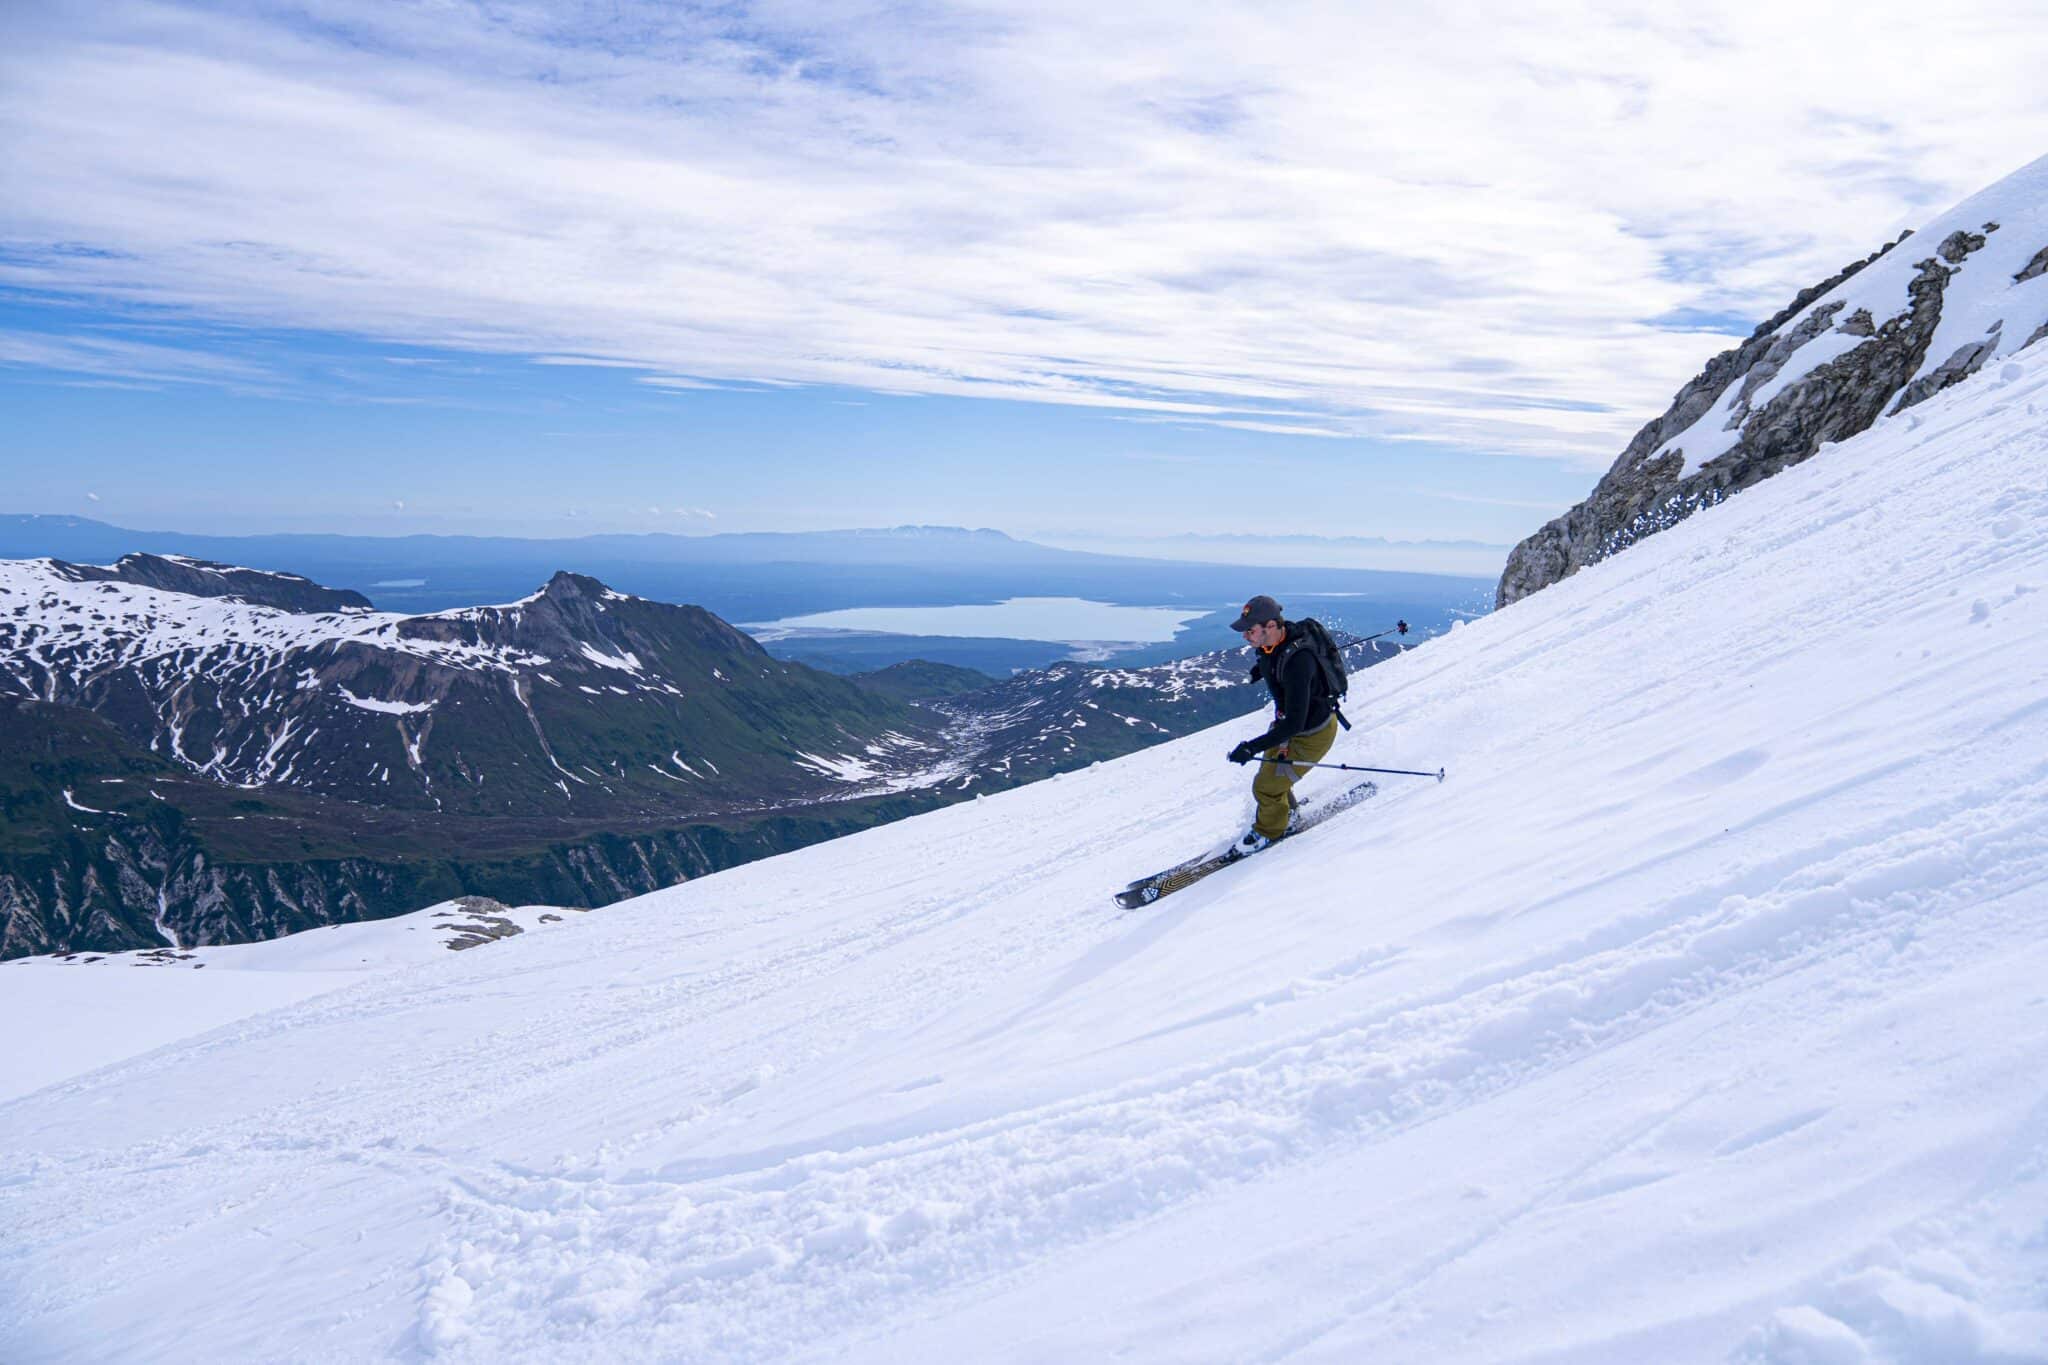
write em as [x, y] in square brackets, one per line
[88, 1010]
[1702, 1014]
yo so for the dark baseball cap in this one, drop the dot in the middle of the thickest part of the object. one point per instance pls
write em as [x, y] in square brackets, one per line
[1259, 609]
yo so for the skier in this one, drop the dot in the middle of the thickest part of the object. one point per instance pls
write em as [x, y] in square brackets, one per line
[1304, 727]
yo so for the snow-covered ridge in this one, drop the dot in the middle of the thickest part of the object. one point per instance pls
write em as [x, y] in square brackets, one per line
[55, 623]
[555, 707]
[1993, 249]
[205, 578]
[260, 695]
[1956, 300]
[1697, 1017]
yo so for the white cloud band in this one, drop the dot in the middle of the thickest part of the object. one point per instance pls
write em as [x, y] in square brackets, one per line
[1424, 227]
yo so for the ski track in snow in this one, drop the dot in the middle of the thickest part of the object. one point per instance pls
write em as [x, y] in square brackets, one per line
[1696, 1017]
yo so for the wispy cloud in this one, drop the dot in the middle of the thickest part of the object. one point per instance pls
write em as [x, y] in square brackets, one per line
[671, 381]
[126, 363]
[1469, 227]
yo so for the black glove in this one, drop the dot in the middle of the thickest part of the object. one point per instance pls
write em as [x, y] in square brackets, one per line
[1255, 673]
[1243, 753]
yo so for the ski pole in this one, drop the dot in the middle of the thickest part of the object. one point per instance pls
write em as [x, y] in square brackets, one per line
[1353, 768]
[1398, 628]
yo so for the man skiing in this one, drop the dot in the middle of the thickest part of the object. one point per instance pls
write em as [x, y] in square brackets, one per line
[1305, 725]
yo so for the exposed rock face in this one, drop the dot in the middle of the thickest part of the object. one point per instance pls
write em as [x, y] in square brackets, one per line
[1645, 491]
[1886, 333]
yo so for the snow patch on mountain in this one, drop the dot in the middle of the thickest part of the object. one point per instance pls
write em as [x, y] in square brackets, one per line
[389, 708]
[844, 767]
[625, 660]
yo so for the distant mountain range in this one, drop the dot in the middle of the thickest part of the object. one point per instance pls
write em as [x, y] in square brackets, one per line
[771, 577]
[1375, 553]
[195, 752]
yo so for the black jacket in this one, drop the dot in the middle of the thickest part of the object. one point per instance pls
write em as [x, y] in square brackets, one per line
[1296, 682]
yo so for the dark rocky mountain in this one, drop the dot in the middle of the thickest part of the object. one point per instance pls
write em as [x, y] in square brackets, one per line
[206, 767]
[204, 578]
[1886, 333]
[203, 767]
[576, 699]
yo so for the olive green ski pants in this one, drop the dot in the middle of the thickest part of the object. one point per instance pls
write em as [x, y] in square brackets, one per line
[1277, 776]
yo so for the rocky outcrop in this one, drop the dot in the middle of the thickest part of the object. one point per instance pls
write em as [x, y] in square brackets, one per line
[1646, 490]
[1846, 352]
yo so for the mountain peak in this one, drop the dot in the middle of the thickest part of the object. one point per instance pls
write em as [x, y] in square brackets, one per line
[1882, 336]
[566, 586]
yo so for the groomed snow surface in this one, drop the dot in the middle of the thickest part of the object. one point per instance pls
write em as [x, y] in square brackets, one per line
[1701, 1015]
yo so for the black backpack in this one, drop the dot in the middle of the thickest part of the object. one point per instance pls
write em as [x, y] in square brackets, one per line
[1312, 635]
[1315, 638]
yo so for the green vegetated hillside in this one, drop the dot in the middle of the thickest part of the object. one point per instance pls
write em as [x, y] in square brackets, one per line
[141, 853]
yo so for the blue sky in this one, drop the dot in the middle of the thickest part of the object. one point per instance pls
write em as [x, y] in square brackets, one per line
[555, 268]
[340, 435]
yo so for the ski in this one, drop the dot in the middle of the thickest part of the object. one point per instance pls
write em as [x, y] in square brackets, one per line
[1147, 890]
